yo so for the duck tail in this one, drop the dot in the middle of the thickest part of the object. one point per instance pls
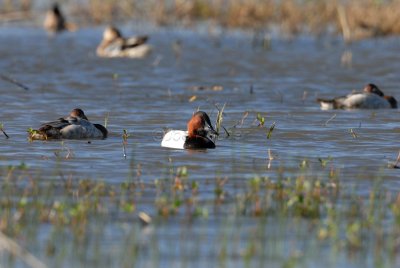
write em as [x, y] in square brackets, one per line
[327, 104]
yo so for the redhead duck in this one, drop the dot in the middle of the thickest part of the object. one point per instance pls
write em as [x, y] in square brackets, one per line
[114, 45]
[74, 126]
[197, 136]
[55, 22]
[370, 98]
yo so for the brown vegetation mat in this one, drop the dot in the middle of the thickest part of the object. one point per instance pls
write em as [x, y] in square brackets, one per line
[355, 19]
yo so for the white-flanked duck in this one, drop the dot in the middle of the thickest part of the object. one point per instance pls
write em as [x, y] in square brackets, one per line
[115, 45]
[198, 135]
[370, 98]
[74, 126]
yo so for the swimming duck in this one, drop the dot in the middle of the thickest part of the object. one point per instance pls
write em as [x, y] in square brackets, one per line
[55, 22]
[74, 126]
[370, 98]
[115, 45]
[198, 135]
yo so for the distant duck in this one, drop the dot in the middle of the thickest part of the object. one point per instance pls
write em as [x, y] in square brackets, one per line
[370, 98]
[55, 22]
[115, 45]
[74, 126]
[197, 136]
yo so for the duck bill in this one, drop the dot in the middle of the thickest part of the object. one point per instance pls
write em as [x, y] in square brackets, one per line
[211, 130]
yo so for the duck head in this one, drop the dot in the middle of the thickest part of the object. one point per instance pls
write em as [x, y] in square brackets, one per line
[372, 88]
[200, 124]
[56, 9]
[111, 33]
[77, 112]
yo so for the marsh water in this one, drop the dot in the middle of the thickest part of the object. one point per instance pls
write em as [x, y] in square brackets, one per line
[192, 69]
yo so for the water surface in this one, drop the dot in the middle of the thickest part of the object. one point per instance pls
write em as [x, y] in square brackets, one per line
[146, 96]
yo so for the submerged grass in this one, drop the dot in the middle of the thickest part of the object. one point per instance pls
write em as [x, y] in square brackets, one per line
[38, 213]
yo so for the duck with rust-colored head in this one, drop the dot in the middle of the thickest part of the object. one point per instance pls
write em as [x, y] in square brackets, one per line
[198, 135]
[115, 45]
[371, 97]
[74, 126]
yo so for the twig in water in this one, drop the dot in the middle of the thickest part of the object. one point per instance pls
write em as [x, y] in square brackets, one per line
[13, 81]
[305, 93]
[157, 60]
[280, 96]
[270, 158]
[347, 58]
[70, 154]
[239, 124]
[226, 131]
[106, 120]
[395, 165]
[271, 128]
[398, 159]
[330, 119]
[177, 48]
[353, 133]
[2, 130]
[11, 246]
[125, 136]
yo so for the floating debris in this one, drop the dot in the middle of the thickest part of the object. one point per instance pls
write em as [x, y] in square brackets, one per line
[13, 81]
[144, 218]
[212, 88]
[193, 98]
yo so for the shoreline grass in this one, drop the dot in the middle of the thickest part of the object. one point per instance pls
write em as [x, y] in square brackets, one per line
[353, 19]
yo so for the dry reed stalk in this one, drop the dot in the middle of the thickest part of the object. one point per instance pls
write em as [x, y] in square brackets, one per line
[342, 16]
[355, 19]
[13, 248]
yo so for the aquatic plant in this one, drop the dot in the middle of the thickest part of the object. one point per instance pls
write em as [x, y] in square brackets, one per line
[125, 137]
[261, 120]
[2, 130]
[32, 132]
[307, 205]
[219, 119]
[271, 128]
